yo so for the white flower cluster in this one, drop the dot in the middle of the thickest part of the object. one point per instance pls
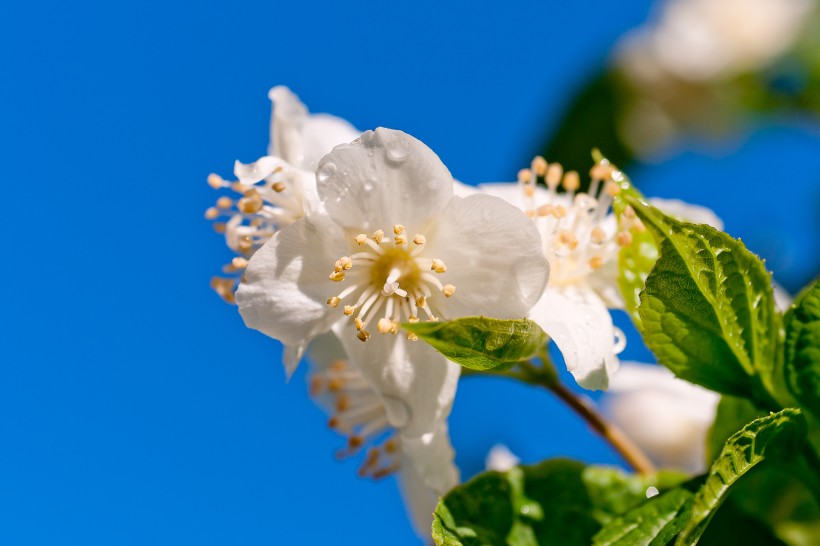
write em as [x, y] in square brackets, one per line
[341, 236]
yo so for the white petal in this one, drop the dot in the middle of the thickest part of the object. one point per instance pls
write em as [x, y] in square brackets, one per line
[431, 456]
[251, 173]
[604, 281]
[299, 138]
[460, 189]
[419, 500]
[580, 324]
[667, 417]
[500, 458]
[287, 286]
[782, 299]
[494, 257]
[386, 177]
[695, 214]
[416, 383]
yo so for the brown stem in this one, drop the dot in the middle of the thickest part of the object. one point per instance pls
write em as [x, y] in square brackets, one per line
[609, 432]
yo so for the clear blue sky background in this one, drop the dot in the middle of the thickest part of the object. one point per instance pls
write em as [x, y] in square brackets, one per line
[135, 408]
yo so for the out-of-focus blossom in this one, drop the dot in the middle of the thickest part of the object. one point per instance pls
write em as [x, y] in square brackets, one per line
[667, 417]
[501, 459]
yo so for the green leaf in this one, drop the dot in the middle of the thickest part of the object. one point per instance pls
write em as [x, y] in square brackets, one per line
[732, 414]
[555, 502]
[802, 349]
[481, 343]
[708, 309]
[539, 505]
[777, 434]
[655, 522]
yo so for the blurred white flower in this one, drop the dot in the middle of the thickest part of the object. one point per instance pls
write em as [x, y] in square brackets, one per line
[277, 189]
[697, 40]
[423, 466]
[338, 269]
[669, 418]
[500, 458]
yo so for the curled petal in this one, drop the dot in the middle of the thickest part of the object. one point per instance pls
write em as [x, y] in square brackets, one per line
[286, 288]
[497, 263]
[251, 173]
[300, 138]
[416, 383]
[579, 323]
[385, 177]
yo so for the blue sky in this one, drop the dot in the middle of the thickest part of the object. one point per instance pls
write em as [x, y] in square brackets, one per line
[135, 408]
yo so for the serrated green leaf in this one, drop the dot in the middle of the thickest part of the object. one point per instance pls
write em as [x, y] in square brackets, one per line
[708, 309]
[482, 343]
[615, 492]
[654, 522]
[540, 505]
[802, 349]
[732, 414]
[777, 433]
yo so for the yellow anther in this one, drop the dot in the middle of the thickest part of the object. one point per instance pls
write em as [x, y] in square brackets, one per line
[245, 243]
[571, 181]
[398, 229]
[212, 213]
[524, 175]
[624, 238]
[554, 174]
[544, 210]
[529, 191]
[278, 187]
[421, 301]
[412, 319]
[384, 326]
[448, 290]
[343, 264]
[361, 239]
[349, 310]
[559, 211]
[334, 301]
[224, 287]
[391, 446]
[251, 203]
[612, 188]
[629, 212]
[224, 202]
[419, 239]
[438, 266]
[432, 319]
[600, 171]
[539, 165]
[337, 276]
[363, 335]
[215, 181]
[412, 337]
[378, 236]
[342, 403]
[566, 237]
[597, 235]
[358, 322]
[220, 227]
[400, 239]
[239, 262]
[596, 262]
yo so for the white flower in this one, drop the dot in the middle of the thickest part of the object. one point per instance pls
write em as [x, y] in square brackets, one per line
[500, 458]
[277, 189]
[424, 468]
[394, 245]
[667, 417]
[581, 241]
[698, 40]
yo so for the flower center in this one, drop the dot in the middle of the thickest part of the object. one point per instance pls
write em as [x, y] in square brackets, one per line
[579, 236]
[392, 280]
